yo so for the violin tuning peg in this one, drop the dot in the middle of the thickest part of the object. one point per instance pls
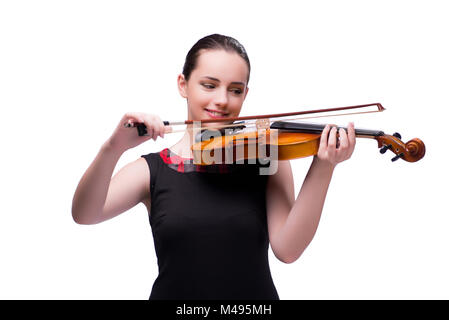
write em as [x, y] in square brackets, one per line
[385, 148]
[397, 157]
[397, 135]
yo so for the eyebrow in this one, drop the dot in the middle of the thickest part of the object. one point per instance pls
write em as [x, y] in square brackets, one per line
[215, 79]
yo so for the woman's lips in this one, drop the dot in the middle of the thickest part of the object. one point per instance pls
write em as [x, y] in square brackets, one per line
[216, 114]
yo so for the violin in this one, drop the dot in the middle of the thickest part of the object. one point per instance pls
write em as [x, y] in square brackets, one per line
[282, 140]
[293, 140]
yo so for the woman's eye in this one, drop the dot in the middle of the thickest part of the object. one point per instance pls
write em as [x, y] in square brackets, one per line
[237, 91]
[208, 85]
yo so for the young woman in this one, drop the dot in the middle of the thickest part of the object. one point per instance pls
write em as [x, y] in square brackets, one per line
[211, 228]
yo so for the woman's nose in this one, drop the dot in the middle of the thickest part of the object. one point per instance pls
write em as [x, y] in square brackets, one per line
[221, 98]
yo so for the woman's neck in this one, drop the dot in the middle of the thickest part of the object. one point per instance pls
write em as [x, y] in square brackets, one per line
[183, 147]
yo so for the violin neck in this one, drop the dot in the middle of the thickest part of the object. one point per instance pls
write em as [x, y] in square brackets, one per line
[318, 128]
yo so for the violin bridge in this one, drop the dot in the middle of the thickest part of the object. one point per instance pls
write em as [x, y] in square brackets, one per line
[263, 124]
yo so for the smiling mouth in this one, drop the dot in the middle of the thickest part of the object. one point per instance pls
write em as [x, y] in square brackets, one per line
[216, 114]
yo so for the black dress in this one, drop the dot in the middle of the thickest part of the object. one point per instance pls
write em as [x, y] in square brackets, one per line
[210, 230]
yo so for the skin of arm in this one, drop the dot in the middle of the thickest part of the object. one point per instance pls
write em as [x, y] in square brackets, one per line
[98, 197]
[292, 223]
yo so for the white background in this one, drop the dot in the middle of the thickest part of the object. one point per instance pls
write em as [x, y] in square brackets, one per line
[70, 69]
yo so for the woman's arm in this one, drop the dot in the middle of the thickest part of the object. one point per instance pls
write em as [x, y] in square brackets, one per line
[98, 197]
[293, 223]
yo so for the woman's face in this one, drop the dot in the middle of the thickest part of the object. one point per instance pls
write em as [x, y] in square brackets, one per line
[217, 86]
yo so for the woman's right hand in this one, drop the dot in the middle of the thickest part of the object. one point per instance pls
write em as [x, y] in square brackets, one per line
[125, 138]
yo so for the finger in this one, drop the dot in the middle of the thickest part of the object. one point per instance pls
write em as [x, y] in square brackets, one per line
[150, 132]
[351, 133]
[129, 122]
[156, 129]
[324, 136]
[351, 137]
[161, 128]
[332, 142]
[344, 143]
[154, 122]
[155, 134]
[149, 123]
[133, 117]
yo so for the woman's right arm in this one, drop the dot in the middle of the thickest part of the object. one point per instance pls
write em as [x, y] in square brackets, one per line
[98, 197]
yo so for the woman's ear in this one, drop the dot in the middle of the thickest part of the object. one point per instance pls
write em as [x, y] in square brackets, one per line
[182, 85]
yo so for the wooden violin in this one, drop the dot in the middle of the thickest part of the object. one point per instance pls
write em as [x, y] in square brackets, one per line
[282, 140]
[292, 140]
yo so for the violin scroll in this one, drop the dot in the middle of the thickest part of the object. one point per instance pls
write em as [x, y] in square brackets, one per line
[410, 151]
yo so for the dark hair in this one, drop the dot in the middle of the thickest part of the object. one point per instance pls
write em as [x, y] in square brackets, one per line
[213, 42]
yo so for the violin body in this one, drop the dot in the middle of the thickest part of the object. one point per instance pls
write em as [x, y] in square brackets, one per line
[262, 145]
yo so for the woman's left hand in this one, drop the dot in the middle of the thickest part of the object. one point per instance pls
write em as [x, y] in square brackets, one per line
[333, 149]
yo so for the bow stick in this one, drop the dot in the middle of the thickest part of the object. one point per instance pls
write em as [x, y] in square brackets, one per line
[142, 128]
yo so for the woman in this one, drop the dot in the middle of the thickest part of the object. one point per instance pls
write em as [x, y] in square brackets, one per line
[211, 229]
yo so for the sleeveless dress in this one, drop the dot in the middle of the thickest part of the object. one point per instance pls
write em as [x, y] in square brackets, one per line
[210, 230]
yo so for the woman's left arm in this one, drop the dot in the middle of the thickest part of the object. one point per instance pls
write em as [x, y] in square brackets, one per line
[293, 223]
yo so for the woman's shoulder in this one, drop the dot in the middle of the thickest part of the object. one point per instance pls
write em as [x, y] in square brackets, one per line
[149, 157]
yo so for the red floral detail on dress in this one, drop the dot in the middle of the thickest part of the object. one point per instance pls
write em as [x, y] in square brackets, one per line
[183, 165]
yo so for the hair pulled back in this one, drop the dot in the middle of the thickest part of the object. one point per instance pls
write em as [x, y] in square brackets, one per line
[213, 42]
